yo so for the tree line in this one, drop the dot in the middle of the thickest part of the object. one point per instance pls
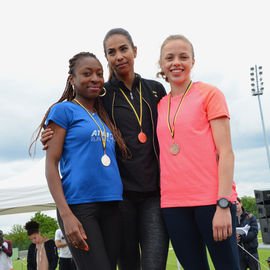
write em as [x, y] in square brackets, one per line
[49, 225]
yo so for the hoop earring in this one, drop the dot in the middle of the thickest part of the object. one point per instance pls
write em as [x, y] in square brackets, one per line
[73, 91]
[104, 93]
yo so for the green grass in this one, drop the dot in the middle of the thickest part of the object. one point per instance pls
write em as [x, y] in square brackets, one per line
[21, 265]
[171, 262]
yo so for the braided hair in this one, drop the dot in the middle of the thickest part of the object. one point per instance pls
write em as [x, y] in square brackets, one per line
[69, 95]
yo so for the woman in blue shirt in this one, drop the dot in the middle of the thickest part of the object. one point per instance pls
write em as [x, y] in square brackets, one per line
[90, 187]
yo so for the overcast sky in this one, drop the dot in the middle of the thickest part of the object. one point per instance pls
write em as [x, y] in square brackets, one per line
[39, 37]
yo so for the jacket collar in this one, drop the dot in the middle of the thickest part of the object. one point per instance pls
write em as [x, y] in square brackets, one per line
[119, 84]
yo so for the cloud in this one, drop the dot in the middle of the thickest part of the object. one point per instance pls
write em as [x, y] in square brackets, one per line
[15, 167]
[22, 109]
[251, 170]
[228, 38]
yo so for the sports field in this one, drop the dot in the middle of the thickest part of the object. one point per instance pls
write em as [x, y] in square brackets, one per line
[171, 263]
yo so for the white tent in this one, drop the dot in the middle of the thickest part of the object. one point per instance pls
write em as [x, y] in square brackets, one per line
[26, 192]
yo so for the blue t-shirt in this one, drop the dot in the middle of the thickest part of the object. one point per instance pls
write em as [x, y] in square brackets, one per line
[84, 178]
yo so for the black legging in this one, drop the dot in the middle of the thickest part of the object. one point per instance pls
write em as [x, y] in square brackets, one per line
[143, 227]
[102, 224]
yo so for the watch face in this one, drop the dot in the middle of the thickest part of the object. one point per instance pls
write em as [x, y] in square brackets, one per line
[223, 203]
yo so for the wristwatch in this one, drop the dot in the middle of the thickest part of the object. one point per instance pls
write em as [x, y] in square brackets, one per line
[224, 203]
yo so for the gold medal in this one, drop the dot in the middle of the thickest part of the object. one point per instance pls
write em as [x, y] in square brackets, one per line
[142, 137]
[174, 149]
[105, 160]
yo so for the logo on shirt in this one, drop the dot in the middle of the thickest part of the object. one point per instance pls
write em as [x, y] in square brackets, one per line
[96, 136]
[155, 93]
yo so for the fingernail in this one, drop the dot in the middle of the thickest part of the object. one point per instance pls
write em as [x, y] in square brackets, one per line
[86, 248]
[85, 237]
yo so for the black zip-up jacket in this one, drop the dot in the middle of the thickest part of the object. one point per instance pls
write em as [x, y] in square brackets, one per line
[249, 241]
[141, 172]
[51, 251]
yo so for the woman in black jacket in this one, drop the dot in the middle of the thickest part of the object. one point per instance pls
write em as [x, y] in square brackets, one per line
[42, 253]
[248, 241]
[131, 102]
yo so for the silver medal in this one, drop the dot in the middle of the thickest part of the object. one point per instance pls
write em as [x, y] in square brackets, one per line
[105, 160]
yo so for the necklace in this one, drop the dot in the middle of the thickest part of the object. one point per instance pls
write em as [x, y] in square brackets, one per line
[174, 148]
[105, 159]
[141, 136]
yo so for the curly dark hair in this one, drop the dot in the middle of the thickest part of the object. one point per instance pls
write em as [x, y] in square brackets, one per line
[32, 227]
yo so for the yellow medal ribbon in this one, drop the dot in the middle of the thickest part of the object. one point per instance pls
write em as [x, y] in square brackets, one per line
[104, 141]
[140, 92]
[172, 129]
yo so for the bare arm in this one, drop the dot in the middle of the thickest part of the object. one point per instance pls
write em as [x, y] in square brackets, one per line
[222, 226]
[8, 250]
[73, 228]
[59, 244]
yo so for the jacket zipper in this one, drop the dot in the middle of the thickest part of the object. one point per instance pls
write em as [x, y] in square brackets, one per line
[153, 128]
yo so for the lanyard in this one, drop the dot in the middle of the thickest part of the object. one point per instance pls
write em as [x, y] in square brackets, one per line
[103, 140]
[138, 118]
[172, 129]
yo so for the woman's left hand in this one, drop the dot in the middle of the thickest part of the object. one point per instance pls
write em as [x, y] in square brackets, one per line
[222, 224]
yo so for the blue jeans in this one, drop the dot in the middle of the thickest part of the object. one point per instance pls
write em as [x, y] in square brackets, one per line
[190, 231]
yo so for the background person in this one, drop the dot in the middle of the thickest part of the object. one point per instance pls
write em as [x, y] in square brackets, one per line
[247, 241]
[5, 253]
[42, 253]
[197, 190]
[65, 258]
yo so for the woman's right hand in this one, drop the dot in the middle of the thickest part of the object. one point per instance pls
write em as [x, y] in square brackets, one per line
[46, 135]
[74, 232]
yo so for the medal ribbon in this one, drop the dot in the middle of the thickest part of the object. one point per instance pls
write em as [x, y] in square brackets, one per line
[140, 92]
[172, 129]
[104, 141]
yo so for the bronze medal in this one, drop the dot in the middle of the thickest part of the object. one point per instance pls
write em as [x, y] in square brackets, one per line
[142, 137]
[174, 149]
[105, 160]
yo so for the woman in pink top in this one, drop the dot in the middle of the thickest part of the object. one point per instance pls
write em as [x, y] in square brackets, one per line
[197, 162]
